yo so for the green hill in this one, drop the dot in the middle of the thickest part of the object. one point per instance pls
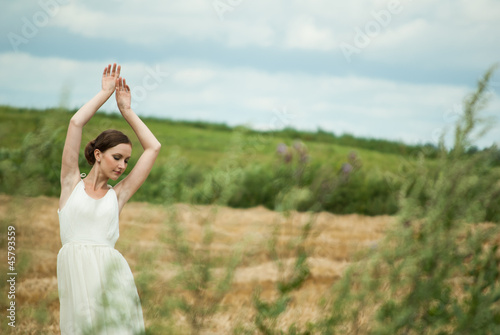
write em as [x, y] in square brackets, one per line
[203, 162]
[203, 142]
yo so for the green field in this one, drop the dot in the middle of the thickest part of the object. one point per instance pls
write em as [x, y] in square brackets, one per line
[198, 158]
[204, 143]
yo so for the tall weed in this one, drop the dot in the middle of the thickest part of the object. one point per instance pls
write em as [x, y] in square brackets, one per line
[437, 272]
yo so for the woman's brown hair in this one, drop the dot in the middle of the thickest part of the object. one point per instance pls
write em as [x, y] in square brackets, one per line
[107, 139]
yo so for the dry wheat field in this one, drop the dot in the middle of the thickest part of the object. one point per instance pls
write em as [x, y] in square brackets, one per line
[331, 246]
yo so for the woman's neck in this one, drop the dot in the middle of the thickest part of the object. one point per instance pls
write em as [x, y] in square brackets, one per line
[96, 180]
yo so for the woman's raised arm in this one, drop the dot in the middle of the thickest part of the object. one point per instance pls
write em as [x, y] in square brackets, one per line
[128, 186]
[70, 172]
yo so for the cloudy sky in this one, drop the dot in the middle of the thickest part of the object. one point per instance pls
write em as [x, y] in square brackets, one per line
[394, 69]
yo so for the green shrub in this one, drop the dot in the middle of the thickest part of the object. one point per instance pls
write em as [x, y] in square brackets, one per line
[438, 270]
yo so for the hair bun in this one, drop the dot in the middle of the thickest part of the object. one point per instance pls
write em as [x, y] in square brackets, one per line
[89, 152]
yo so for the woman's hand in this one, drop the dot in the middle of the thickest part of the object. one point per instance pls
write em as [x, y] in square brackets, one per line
[109, 77]
[130, 184]
[123, 98]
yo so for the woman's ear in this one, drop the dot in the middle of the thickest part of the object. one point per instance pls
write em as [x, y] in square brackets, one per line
[97, 155]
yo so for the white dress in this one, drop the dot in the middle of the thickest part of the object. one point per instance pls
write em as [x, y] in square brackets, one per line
[97, 292]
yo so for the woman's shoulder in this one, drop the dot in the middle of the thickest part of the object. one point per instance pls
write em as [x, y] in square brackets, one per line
[66, 193]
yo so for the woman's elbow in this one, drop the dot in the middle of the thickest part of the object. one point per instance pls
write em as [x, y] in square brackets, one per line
[75, 122]
[156, 147]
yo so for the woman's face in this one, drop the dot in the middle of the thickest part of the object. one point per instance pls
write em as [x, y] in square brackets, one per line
[113, 161]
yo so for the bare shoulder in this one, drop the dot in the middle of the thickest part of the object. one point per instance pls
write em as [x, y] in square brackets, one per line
[67, 186]
[120, 195]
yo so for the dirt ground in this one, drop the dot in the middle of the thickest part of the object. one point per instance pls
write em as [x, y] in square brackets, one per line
[331, 245]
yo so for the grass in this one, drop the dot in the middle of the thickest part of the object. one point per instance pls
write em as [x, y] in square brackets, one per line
[33, 140]
[201, 146]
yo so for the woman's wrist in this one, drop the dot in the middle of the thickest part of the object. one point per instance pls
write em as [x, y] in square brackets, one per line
[107, 92]
[126, 110]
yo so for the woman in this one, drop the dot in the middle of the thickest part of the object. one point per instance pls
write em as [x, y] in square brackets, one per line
[97, 292]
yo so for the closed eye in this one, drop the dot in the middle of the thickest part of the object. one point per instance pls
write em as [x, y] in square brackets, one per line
[118, 157]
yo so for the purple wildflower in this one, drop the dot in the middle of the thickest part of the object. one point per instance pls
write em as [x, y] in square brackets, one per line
[282, 149]
[346, 168]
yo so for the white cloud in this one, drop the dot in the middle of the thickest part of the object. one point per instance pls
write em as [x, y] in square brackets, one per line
[303, 33]
[191, 77]
[431, 34]
[139, 23]
[362, 106]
